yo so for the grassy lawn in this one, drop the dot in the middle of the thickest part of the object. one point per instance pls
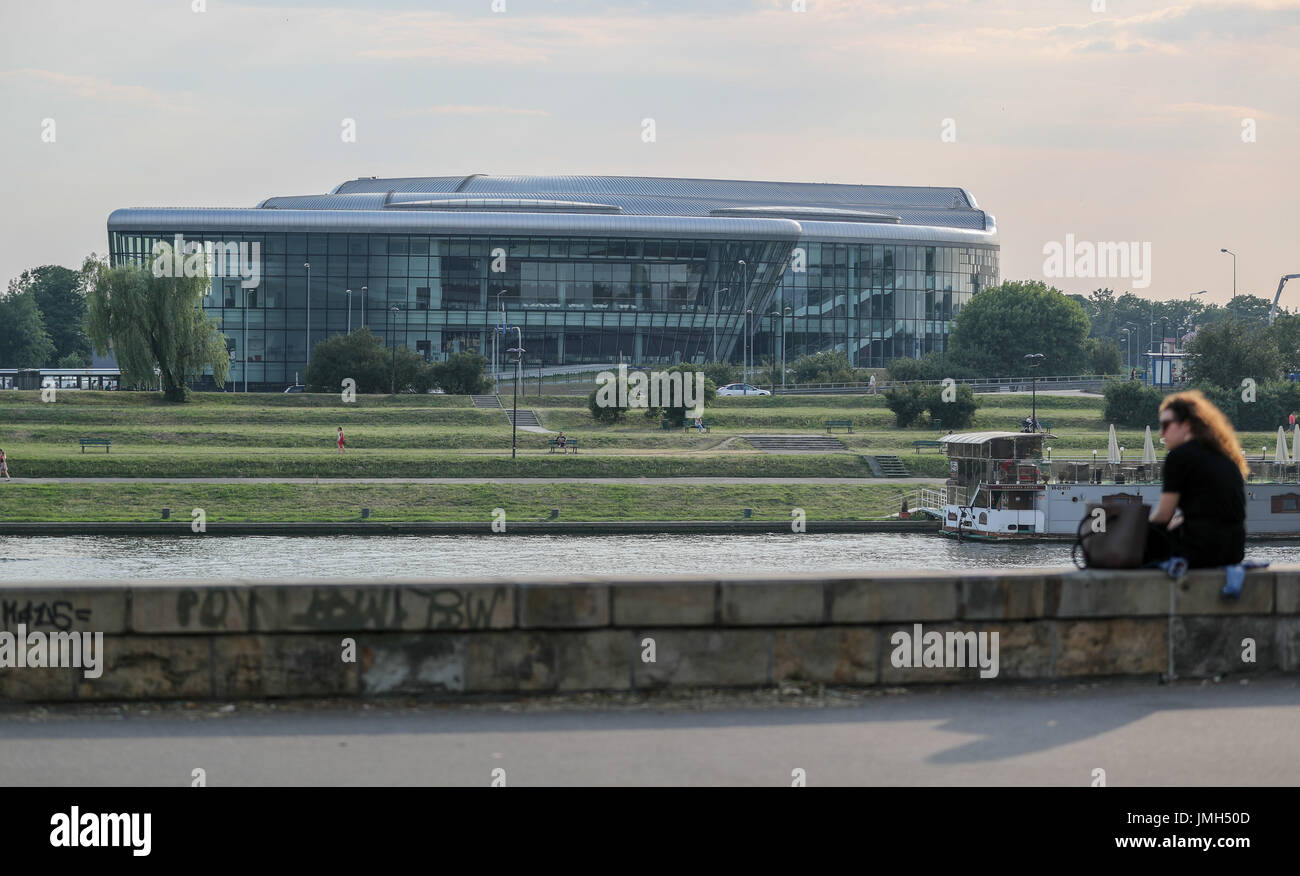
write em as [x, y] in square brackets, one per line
[439, 502]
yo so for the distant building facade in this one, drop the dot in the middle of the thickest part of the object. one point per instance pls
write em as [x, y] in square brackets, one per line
[593, 269]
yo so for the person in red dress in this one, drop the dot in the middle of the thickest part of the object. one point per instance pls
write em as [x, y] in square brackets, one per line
[340, 439]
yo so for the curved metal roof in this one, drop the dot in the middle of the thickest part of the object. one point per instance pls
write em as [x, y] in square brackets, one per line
[708, 207]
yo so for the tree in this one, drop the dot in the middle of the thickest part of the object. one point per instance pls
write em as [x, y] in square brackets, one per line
[908, 401]
[676, 413]
[1227, 352]
[955, 414]
[363, 357]
[1104, 356]
[1131, 403]
[1286, 334]
[61, 297]
[1000, 325]
[24, 342]
[828, 366]
[721, 373]
[462, 374]
[608, 414]
[153, 322]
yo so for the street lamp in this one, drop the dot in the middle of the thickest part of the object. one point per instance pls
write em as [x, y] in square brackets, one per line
[364, 290]
[496, 341]
[1034, 360]
[779, 316]
[307, 335]
[1234, 280]
[744, 298]
[518, 350]
[745, 363]
[393, 310]
[349, 291]
[245, 368]
[1128, 346]
[726, 289]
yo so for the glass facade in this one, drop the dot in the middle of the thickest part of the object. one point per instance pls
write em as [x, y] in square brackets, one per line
[663, 276]
[583, 300]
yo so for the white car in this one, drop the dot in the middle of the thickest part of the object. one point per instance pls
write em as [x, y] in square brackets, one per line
[741, 389]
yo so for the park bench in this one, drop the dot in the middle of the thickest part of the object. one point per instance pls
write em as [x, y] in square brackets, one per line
[689, 425]
[839, 424]
[920, 444]
[570, 444]
[95, 442]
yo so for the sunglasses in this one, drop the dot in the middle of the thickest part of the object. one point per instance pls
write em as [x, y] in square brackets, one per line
[1165, 424]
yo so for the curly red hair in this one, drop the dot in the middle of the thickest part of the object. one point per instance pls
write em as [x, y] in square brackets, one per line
[1209, 424]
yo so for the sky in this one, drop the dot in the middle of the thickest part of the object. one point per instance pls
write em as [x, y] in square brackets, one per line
[1165, 124]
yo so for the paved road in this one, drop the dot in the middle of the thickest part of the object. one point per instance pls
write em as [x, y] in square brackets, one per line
[644, 480]
[1139, 733]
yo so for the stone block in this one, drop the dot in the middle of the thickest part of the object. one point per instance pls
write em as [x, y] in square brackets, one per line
[772, 603]
[891, 599]
[37, 685]
[458, 607]
[664, 605]
[430, 663]
[158, 609]
[312, 609]
[151, 667]
[1288, 637]
[93, 609]
[595, 659]
[829, 655]
[1109, 593]
[283, 666]
[510, 660]
[1198, 593]
[561, 605]
[704, 658]
[1119, 646]
[1205, 646]
[1003, 597]
[1287, 584]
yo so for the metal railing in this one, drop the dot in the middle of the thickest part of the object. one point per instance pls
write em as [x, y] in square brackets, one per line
[983, 384]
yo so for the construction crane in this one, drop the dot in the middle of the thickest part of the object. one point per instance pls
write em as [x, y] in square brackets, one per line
[1272, 314]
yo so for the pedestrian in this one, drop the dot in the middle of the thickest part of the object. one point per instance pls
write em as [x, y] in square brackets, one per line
[561, 441]
[1132, 374]
[4, 465]
[871, 384]
[1202, 511]
[340, 439]
[1293, 419]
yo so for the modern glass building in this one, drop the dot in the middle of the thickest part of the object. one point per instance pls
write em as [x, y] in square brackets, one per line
[593, 269]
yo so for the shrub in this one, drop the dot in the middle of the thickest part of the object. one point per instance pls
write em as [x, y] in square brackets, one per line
[908, 401]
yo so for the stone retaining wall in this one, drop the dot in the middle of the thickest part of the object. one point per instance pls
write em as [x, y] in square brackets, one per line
[239, 639]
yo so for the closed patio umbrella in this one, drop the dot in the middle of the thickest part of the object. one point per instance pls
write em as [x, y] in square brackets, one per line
[1112, 446]
[1148, 450]
[1279, 456]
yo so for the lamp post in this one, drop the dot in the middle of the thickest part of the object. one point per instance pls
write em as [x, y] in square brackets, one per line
[364, 290]
[789, 313]
[744, 299]
[518, 350]
[1234, 280]
[349, 291]
[1128, 347]
[393, 310]
[497, 337]
[726, 289]
[245, 369]
[745, 366]
[307, 335]
[1034, 360]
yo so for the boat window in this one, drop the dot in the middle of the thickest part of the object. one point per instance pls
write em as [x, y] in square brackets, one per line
[1288, 503]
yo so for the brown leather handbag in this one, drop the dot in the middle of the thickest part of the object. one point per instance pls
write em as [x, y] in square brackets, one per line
[1120, 544]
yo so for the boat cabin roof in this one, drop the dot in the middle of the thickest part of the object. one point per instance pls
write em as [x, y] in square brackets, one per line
[990, 445]
[985, 437]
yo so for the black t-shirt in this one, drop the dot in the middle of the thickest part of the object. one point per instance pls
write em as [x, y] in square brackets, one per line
[1212, 496]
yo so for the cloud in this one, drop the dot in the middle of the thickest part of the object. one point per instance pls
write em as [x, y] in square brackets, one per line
[456, 110]
[97, 89]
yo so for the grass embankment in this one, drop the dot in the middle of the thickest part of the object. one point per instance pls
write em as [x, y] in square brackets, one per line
[281, 503]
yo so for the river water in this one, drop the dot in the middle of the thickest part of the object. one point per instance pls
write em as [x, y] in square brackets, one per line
[25, 559]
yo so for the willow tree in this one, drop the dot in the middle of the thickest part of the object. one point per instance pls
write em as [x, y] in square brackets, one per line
[152, 322]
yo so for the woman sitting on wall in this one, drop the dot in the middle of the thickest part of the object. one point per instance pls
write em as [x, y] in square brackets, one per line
[1202, 511]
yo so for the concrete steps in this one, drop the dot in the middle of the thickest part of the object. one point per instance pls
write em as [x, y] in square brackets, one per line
[526, 418]
[891, 467]
[796, 443]
[486, 401]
